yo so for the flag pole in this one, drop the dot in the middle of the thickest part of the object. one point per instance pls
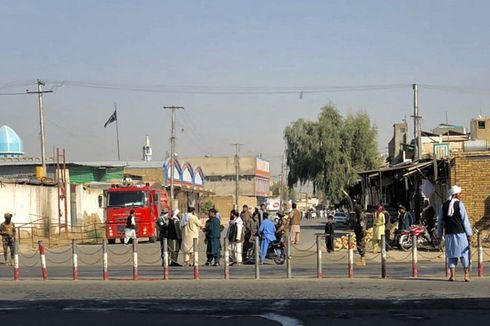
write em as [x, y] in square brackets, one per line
[117, 134]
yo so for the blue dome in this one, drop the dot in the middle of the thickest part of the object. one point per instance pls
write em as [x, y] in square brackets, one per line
[10, 143]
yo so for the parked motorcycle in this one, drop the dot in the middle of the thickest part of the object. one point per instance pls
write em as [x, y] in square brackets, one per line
[276, 252]
[423, 238]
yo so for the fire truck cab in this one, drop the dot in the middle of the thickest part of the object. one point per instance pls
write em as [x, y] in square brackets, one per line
[147, 204]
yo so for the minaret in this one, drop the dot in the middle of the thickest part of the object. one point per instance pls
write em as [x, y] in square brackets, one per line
[147, 150]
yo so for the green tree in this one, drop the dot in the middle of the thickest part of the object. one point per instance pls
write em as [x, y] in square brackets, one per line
[331, 151]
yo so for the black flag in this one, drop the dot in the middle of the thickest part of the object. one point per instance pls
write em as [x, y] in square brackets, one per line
[111, 119]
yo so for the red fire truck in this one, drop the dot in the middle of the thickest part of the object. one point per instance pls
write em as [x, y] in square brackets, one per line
[146, 202]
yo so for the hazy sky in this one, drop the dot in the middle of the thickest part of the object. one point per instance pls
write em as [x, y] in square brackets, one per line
[234, 46]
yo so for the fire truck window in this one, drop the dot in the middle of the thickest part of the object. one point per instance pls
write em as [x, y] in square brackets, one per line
[127, 199]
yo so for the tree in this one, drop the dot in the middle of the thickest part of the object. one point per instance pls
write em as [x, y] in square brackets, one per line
[331, 151]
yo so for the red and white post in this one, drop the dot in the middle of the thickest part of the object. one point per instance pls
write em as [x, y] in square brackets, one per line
[319, 269]
[226, 263]
[42, 255]
[135, 259]
[350, 255]
[105, 262]
[383, 256]
[480, 256]
[165, 259]
[74, 259]
[16, 261]
[195, 258]
[414, 257]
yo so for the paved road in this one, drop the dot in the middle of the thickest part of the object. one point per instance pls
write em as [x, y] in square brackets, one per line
[258, 312]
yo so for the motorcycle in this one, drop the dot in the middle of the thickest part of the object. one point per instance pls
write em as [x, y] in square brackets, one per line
[423, 238]
[276, 252]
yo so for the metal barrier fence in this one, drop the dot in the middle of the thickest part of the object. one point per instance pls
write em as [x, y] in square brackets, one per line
[104, 256]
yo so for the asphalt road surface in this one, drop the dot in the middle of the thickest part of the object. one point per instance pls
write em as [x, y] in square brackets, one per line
[238, 313]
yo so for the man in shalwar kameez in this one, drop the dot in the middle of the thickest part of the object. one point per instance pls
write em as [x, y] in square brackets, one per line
[213, 244]
[267, 232]
[454, 224]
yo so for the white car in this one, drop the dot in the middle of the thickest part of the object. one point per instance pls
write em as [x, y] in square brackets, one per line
[340, 218]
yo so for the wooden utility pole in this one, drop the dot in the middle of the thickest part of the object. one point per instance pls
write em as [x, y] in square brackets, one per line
[172, 152]
[237, 173]
[281, 185]
[40, 92]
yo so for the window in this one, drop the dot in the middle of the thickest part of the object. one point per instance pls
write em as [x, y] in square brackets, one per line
[127, 199]
[481, 124]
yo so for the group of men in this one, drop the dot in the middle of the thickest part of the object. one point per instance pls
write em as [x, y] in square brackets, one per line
[453, 224]
[179, 230]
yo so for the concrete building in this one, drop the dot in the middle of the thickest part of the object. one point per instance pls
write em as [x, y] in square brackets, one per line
[480, 129]
[396, 151]
[254, 175]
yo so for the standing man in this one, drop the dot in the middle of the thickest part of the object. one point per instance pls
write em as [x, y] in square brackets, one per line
[295, 224]
[235, 237]
[454, 224]
[245, 214]
[7, 230]
[213, 243]
[267, 232]
[360, 231]
[251, 228]
[428, 219]
[130, 230]
[405, 219]
[174, 236]
[379, 227]
[162, 223]
[190, 226]
[262, 210]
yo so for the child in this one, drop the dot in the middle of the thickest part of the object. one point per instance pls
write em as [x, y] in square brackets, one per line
[329, 234]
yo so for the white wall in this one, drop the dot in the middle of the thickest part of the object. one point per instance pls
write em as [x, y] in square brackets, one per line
[87, 206]
[31, 204]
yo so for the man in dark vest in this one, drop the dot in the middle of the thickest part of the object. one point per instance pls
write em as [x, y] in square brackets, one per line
[130, 229]
[454, 224]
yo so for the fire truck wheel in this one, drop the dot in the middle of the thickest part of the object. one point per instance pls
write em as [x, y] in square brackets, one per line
[111, 241]
[153, 239]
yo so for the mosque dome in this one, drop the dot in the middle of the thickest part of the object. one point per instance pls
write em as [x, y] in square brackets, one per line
[10, 143]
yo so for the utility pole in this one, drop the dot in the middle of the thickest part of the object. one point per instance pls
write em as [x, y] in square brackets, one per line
[281, 185]
[40, 92]
[237, 172]
[417, 132]
[172, 151]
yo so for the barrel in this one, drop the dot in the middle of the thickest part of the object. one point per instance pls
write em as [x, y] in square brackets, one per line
[40, 173]
[477, 145]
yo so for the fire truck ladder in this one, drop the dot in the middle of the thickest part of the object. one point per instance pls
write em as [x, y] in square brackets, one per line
[62, 185]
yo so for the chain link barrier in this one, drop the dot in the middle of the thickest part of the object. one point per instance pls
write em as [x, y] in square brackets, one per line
[58, 252]
[409, 255]
[28, 256]
[431, 259]
[337, 259]
[84, 262]
[128, 250]
[113, 262]
[304, 250]
[57, 262]
[82, 251]
[372, 258]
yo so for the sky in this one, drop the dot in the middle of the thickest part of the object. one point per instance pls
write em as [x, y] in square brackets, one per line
[237, 67]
